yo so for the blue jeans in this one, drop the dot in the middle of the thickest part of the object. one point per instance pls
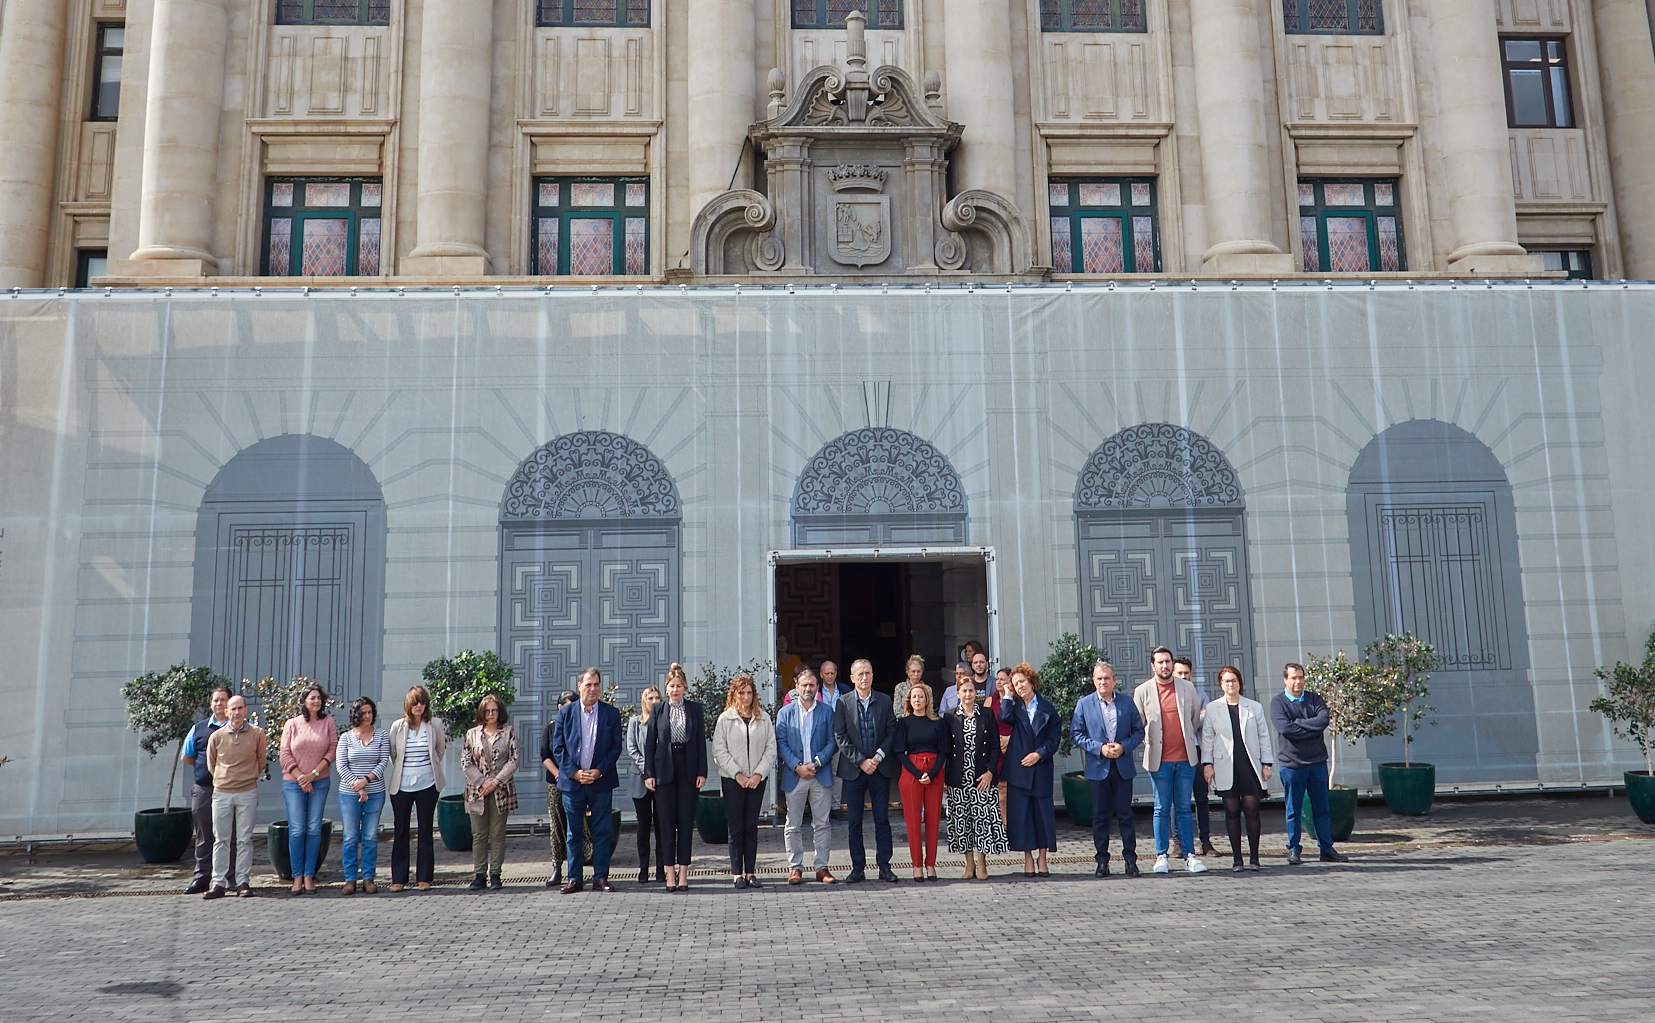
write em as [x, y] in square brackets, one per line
[601, 803]
[1311, 778]
[304, 824]
[1174, 785]
[360, 854]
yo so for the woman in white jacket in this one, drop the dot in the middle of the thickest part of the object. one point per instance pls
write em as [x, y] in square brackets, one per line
[1235, 738]
[744, 751]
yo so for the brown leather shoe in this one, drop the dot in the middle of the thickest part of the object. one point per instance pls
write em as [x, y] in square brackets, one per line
[797, 876]
[370, 888]
[825, 876]
[571, 887]
[602, 885]
[348, 888]
[396, 887]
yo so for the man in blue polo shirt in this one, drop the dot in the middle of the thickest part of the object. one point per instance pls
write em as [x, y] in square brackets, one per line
[201, 793]
[1300, 717]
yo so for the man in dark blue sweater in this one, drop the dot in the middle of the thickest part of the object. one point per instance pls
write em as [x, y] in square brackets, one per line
[1300, 719]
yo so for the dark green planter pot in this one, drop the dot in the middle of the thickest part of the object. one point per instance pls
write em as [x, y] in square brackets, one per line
[1640, 792]
[163, 835]
[1408, 789]
[1077, 798]
[711, 820]
[1341, 806]
[453, 823]
[275, 840]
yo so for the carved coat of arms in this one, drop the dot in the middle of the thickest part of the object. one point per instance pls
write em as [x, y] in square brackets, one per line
[861, 229]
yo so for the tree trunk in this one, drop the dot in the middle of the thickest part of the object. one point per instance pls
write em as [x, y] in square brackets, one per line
[172, 774]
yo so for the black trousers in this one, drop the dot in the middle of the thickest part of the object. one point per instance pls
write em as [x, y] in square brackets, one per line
[425, 802]
[741, 807]
[1203, 812]
[675, 804]
[1112, 805]
[875, 787]
[649, 826]
[201, 813]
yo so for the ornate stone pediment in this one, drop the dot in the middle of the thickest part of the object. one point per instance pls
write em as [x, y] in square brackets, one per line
[856, 184]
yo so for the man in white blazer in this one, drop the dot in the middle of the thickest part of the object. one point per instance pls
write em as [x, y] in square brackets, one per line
[1171, 710]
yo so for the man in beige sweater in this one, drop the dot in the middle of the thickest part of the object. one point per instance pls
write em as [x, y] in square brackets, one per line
[235, 755]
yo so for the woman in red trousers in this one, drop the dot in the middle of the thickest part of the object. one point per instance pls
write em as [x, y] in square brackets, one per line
[922, 743]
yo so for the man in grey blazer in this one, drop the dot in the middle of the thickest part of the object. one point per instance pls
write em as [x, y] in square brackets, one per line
[863, 726]
[1171, 711]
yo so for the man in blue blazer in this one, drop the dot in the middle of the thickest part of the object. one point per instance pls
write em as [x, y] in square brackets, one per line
[1108, 727]
[805, 744]
[586, 743]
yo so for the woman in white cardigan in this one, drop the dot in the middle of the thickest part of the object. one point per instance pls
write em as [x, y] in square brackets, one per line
[1235, 738]
[744, 749]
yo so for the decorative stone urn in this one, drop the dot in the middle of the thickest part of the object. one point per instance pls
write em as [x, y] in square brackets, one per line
[856, 171]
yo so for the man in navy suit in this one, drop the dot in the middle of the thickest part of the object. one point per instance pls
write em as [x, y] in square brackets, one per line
[1108, 728]
[805, 744]
[586, 743]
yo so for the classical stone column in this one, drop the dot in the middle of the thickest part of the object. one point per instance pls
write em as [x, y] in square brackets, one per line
[1628, 75]
[31, 81]
[1235, 158]
[1472, 136]
[181, 120]
[455, 72]
[723, 93]
[977, 47]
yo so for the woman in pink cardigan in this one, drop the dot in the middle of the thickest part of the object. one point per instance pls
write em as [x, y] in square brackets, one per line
[308, 744]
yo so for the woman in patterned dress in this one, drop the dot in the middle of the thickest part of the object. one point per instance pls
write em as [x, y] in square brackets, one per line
[975, 827]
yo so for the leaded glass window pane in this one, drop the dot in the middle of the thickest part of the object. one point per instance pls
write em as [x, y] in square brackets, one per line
[1335, 17]
[367, 248]
[1108, 194]
[281, 247]
[325, 247]
[281, 193]
[592, 12]
[333, 12]
[1347, 244]
[590, 226]
[1140, 193]
[1093, 16]
[1311, 262]
[1390, 244]
[1058, 194]
[882, 14]
[1345, 195]
[1103, 226]
[1350, 227]
[1384, 194]
[328, 194]
[1101, 247]
[1307, 195]
[1143, 241]
[1063, 255]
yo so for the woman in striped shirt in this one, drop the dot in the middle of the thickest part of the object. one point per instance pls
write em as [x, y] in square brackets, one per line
[413, 781]
[363, 756]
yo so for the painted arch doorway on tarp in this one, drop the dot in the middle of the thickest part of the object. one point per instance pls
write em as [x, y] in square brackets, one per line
[1160, 530]
[590, 568]
[1433, 535]
[290, 567]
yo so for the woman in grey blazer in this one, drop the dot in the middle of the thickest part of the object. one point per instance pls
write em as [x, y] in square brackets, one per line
[643, 800]
[1235, 738]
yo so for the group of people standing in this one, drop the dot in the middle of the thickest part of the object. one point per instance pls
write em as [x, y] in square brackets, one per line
[985, 750]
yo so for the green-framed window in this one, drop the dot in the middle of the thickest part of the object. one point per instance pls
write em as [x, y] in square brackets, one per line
[1577, 263]
[333, 12]
[1333, 17]
[90, 263]
[590, 226]
[106, 72]
[1537, 82]
[1351, 226]
[1104, 226]
[1093, 16]
[613, 13]
[321, 227]
[831, 13]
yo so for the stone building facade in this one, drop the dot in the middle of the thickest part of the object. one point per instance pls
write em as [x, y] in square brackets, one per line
[170, 141]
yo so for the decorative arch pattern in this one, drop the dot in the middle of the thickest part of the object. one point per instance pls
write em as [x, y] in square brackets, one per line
[878, 485]
[1157, 465]
[1160, 532]
[592, 474]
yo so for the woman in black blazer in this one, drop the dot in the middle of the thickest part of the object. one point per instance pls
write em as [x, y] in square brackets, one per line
[675, 768]
[974, 825]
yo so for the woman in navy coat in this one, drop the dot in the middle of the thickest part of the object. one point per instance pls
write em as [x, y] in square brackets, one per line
[1031, 818]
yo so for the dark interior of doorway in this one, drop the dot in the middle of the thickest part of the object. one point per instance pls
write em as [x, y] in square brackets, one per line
[881, 610]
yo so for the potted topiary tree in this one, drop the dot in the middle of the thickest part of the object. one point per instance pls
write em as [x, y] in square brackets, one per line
[1628, 702]
[457, 684]
[276, 702]
[162, 707]
[1065, 677]
[1360, 705]
[711, 687]
[1408, 787]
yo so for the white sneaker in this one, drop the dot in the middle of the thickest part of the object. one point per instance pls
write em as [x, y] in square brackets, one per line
[1194, 866]
[1161, 864]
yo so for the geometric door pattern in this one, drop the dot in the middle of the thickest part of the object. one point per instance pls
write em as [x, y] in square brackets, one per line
[589, 576]
[1160, 531]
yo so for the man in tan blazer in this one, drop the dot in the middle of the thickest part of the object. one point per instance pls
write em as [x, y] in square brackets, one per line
[1171, 710]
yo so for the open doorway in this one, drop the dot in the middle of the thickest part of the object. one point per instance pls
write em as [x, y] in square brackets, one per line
[882, 605]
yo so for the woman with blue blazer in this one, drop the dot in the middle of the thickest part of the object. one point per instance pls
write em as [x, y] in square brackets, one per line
[1031, 817]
